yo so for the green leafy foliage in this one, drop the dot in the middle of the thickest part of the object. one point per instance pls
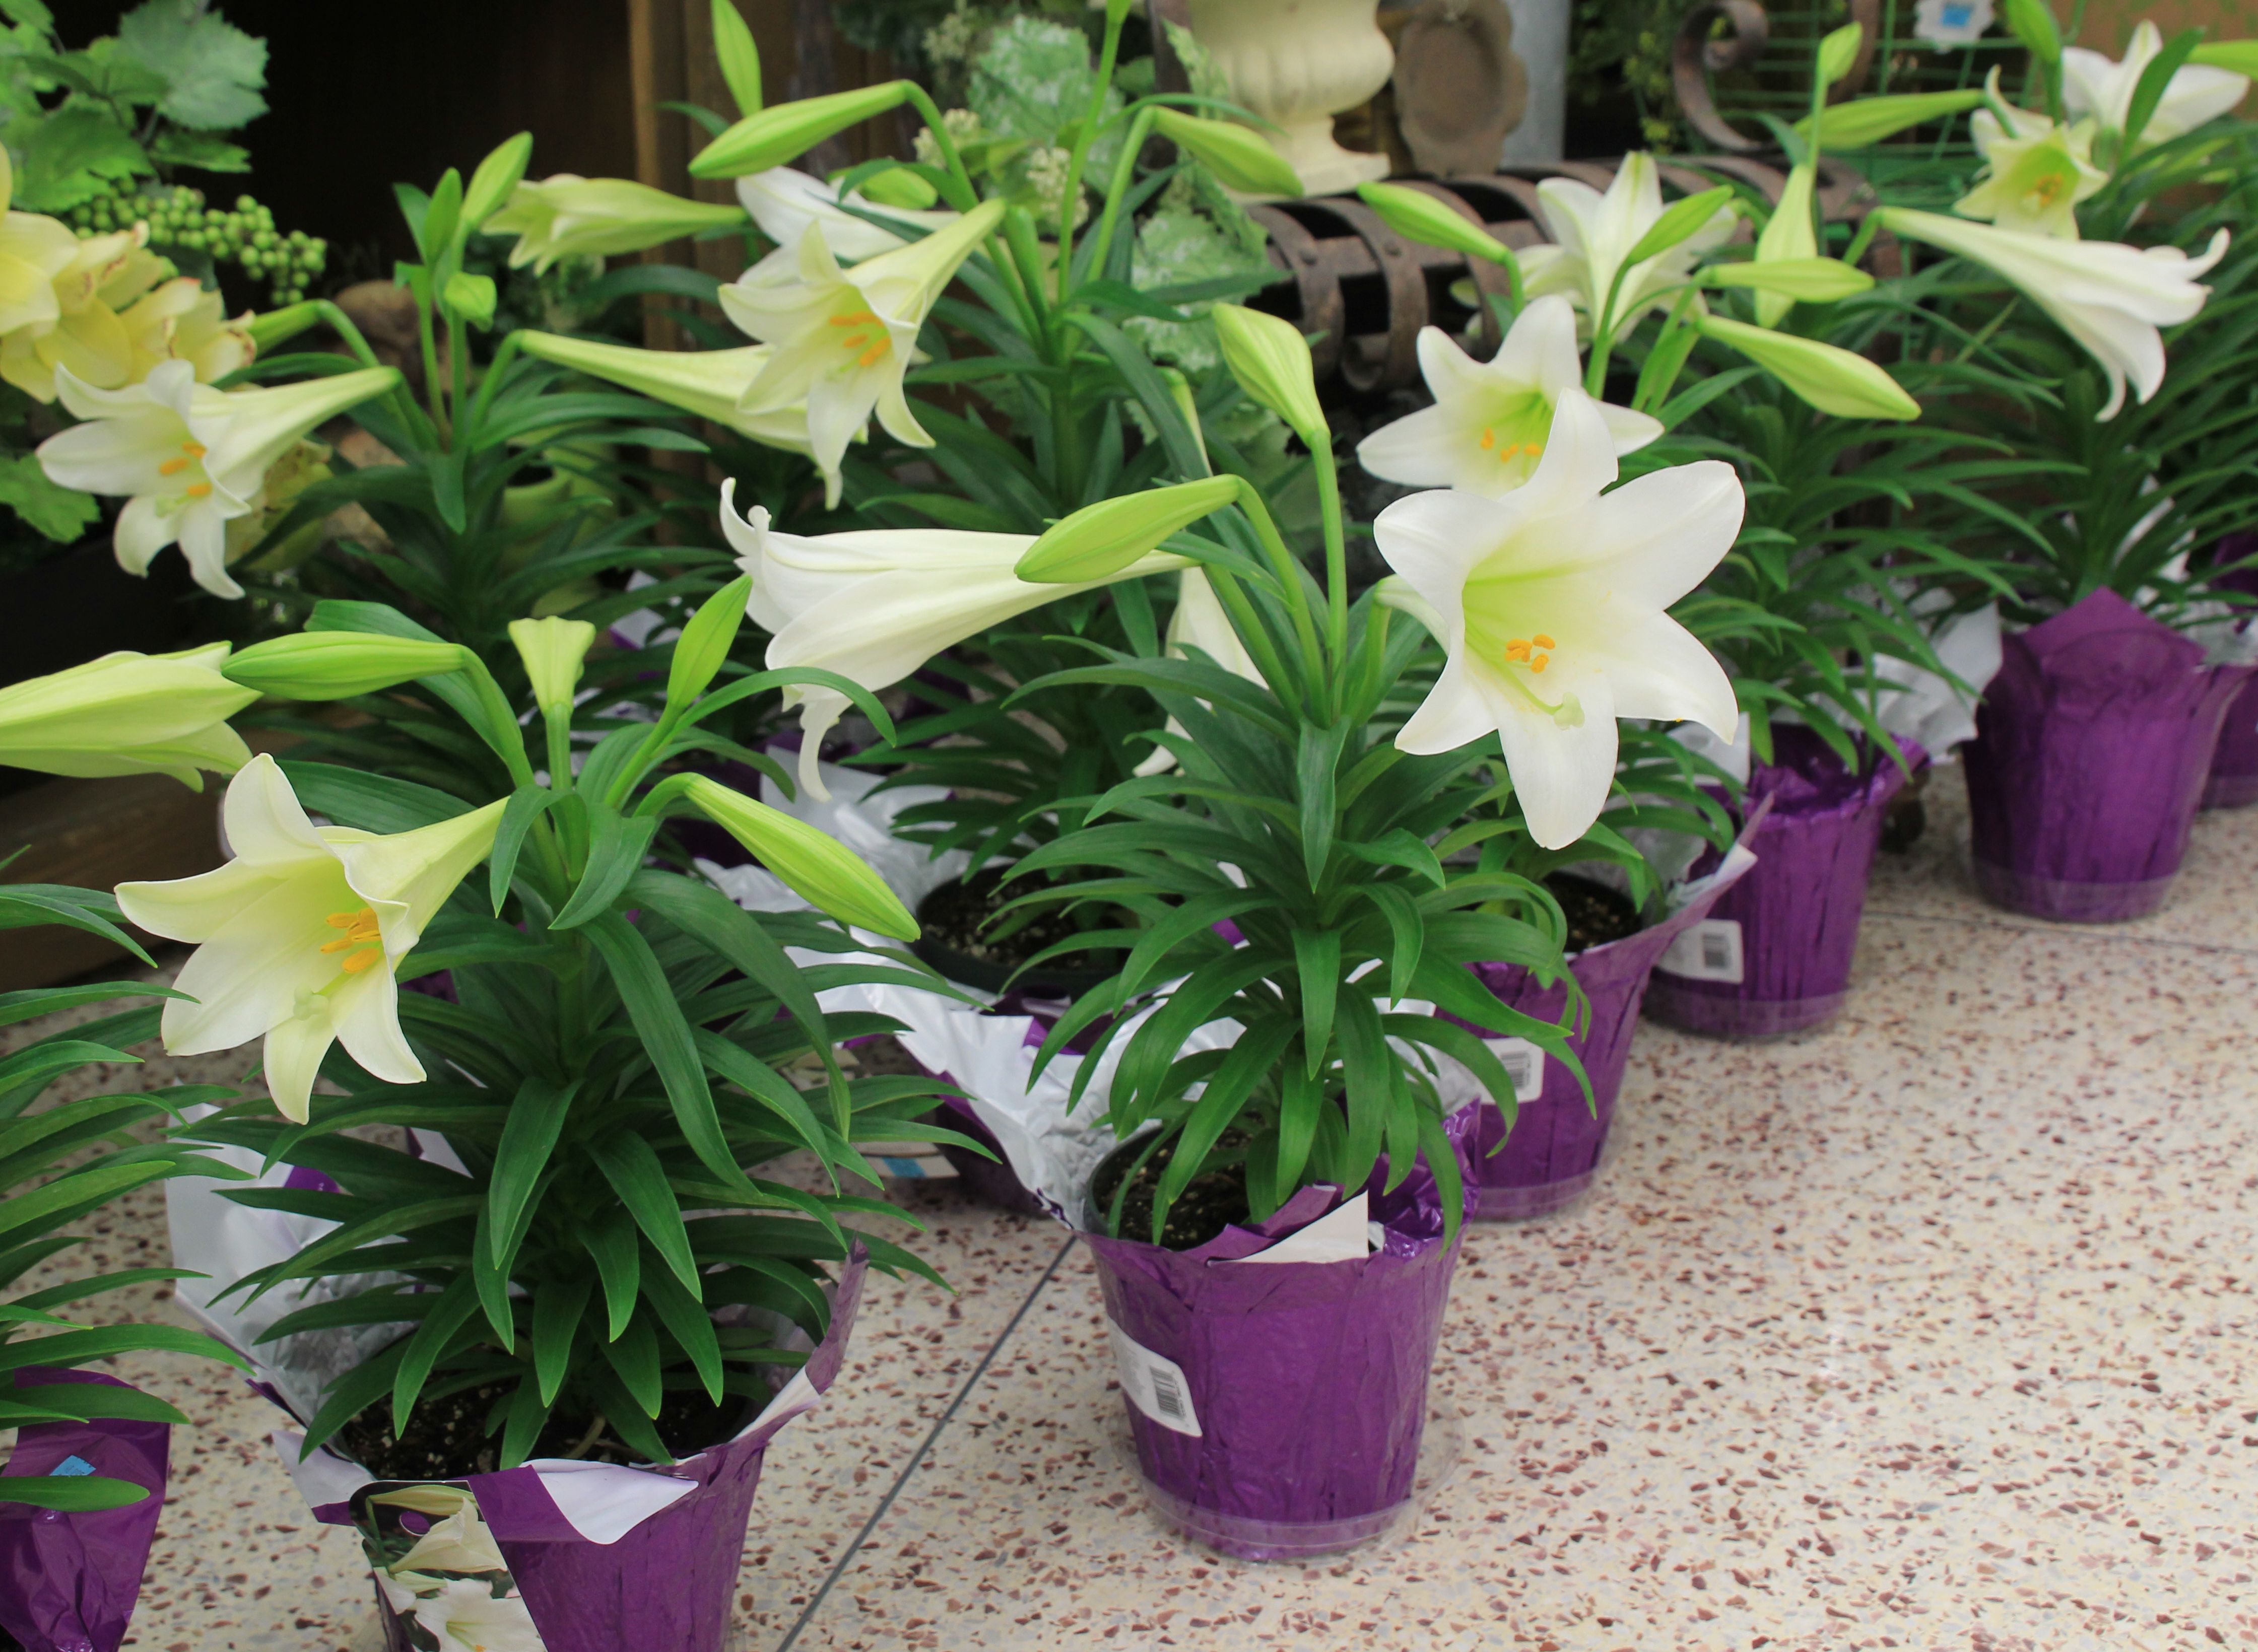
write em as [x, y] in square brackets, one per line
[212, 71]
[59, 1165]
[58, 513]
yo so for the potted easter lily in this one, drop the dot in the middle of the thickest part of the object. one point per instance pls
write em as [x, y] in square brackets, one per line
[1276, 1229]
[2098, 736]
[536, 1343]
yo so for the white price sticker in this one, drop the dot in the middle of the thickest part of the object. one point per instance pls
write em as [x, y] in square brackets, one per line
[1524, 1065]
[1156, 1385]
[1707, 951]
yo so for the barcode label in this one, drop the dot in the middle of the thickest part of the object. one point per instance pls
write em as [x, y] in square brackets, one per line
[1524, 1065]
[1155, 1384]
[1707, 951]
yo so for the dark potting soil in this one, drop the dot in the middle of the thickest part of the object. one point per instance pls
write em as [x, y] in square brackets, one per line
[1214, 1200]
[447, 1438]
[957, 916]
[1597, 914]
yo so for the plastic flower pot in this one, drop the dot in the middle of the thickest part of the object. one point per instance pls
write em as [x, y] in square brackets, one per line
[1552, 1155]
[594, 1556]
[2233, 781]
[1277, 1408]
[68, 1582]
[1773, 955]
[2093, 748]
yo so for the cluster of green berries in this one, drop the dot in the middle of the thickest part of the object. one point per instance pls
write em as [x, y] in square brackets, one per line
[244, 234]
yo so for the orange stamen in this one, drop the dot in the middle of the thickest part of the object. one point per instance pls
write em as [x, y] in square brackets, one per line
[849, 321]
[194, 450]
[361, 961]
[1489, 437]
[1540, 662]
[172, 467]
[197, 490]
[872, 356]
[1544, 642]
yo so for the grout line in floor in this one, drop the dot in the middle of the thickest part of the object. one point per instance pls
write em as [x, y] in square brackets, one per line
[2064, 931]
[941, 1424]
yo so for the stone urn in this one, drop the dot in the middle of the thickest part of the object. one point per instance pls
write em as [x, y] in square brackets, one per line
[1298, 63]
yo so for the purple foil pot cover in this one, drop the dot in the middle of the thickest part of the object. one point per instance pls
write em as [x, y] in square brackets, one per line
[2233, 781]
[1552, 1153]
[2093, 747]
[670, 1580]
[1307, 1381]
[69, 1581]
[1774, 954]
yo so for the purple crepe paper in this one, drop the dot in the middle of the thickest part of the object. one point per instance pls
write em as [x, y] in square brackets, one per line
[1799, 907]
[2234, 783]
[1552, 1155]
[1309, 1378]
[670, 1580]
[2092, 748]
[69, 1581]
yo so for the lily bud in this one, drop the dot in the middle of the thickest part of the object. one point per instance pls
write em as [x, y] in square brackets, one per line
[1271, 361]
[1838, 52]
[496, 179]
[1833, 381]
[1180, 392]
[738, 56]
[1814, 281]
[813, 864]
[568, 216]
[1237, 155]
[1099, 541]
[899, 188]
[703, 644]
[279, 326]
[1415, 214]
[775, 136]
[334, 665]
[2032, 22]
[553, 651]
[1787, 238]
[128, 714]
[470, 297]
[1866, 120]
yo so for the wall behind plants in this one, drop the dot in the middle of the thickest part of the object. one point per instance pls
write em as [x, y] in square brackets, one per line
[363, 96]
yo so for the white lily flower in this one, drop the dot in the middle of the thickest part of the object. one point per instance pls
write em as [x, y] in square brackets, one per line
[299, 934]
[843, 338]
[34, 250]
[1199, 623]
[465, 1617]
[2037, 174]
[462, 1541]
[1488, 428]
[784, 201]
[1552, 604]
[710, 383]
[179, 321]
[2093, 85]
[190, 459]
[84, 335]
[569, 217]
[128, 714]
[2109, 297]
[1593, 232]
[874, 606]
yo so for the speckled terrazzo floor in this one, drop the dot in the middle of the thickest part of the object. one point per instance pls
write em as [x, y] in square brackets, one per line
[1932, 1329]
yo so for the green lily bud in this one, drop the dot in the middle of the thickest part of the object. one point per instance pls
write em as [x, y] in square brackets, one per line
[1271, 361]
[1812, 281]
[1180, 392]
[128, 714]
[1838, 52]
[813, 864]
[738, 55]
[1866, 120]
[333, 665]
[703, 644]
[776, 135]
[470, 297]
[899, 187]
[1099, 541]
[1833, 381]
[1787, 238]
[1238, 156]
[441, 213]
[497, 178]
[2032, 22]
[1415, 214]
[1678, 224]
[553, 651]
[2240, 56]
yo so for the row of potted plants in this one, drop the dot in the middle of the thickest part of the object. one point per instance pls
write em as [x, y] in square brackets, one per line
[1271, 918]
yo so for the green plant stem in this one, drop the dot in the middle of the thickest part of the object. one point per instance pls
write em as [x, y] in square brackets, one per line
[968, 197]
[1329, 504]
[1603, 338]
[1101, 246]
[458, 371]
[1287, 570]
[1251, 632]
[490, 385]
[560, 730]
[429, 339]
[1072, 198]
[355, 341]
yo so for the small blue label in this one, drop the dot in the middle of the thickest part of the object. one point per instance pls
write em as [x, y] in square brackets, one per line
[1958, 12]
[72, 1465]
